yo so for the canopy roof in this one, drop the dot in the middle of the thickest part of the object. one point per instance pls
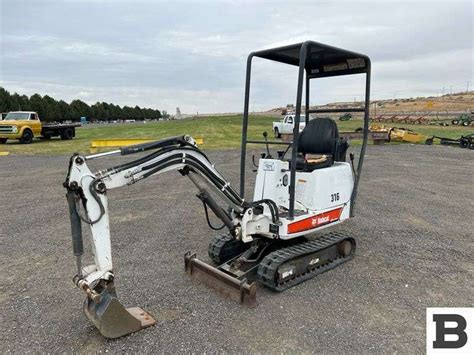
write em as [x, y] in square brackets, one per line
[321, 60]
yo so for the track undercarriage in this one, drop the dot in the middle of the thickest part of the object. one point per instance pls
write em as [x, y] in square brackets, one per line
[275, 264]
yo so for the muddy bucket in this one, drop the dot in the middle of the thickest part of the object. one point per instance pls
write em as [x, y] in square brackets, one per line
[111, 318]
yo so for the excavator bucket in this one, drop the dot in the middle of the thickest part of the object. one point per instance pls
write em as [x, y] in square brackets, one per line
[111, 318]
[225, 284]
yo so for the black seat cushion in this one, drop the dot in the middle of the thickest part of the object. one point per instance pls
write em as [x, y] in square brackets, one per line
[320, 136]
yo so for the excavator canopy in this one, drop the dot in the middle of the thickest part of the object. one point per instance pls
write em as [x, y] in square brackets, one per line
[321, 60]
[314, 60]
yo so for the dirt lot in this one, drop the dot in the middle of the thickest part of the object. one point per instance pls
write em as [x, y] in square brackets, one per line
[415, 247]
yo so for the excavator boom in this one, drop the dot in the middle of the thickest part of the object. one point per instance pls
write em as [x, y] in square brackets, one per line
[87, 201]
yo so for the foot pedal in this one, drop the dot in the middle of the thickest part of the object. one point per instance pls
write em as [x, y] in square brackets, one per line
[223, 283]
[111, 318]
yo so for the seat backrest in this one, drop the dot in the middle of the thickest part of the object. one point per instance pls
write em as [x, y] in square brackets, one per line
[320, 136]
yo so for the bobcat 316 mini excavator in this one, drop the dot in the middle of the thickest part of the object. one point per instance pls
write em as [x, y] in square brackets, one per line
[311, 190]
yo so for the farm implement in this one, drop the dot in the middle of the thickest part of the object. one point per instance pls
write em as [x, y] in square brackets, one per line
[395, 134]
[462, 142]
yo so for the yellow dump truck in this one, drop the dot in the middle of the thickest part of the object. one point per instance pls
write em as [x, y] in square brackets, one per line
[26, 125]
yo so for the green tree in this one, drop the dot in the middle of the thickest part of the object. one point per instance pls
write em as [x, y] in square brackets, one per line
[52, 111]
[64, 110]
[36, 104]
[115, 112]
[5, 100]
[79, 109]
[128, 113]
[24, 102]
[138, 113]
[49, 109]
[98, 112]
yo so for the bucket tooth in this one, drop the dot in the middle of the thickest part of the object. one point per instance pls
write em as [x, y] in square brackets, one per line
[111, 318]
[225, 284]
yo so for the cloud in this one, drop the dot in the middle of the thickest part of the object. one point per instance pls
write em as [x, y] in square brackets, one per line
[193, 54]
[51, 48]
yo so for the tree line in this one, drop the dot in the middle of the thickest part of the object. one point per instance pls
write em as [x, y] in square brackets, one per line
[50, 109]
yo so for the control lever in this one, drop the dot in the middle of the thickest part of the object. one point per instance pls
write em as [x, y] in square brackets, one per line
[265, 135]
[351, 156]
[255, 165]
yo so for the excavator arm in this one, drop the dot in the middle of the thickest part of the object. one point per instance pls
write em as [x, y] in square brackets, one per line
[87, 201]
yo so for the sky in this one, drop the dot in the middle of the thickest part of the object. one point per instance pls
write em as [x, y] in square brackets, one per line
[192, 54]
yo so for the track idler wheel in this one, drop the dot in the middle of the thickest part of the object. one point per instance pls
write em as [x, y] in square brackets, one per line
[345, 248]
[225, 247]
[111, 318]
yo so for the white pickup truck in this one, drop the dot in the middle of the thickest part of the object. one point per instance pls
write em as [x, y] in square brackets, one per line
[285, 126]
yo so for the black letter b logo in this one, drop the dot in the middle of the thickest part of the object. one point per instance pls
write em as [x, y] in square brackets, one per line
[442, 331]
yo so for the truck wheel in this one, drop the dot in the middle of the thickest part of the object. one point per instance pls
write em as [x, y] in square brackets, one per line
[465, 123]
[27, 137]
[455, 122]
[3, 140]
[277, 133]
[429, 141]
[67, 134]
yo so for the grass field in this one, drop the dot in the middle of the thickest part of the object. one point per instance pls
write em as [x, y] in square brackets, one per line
[218, 132]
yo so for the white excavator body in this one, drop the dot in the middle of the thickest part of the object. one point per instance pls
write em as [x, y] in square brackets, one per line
[322, 198]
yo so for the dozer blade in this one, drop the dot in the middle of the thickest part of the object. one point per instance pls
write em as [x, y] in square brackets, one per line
[223, 283]
[111, 318]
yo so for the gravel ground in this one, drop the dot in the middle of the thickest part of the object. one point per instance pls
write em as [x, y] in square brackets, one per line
[415, 245]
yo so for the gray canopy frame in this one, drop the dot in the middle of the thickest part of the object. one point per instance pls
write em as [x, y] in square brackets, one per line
[315, 60]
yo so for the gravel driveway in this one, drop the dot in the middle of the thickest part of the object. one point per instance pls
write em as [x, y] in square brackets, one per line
[414, 230]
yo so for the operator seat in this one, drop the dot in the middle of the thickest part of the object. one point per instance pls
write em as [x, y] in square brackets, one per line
[320, 137]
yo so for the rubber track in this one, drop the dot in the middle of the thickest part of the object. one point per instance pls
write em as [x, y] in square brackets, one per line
[268, 267]
[224, 244]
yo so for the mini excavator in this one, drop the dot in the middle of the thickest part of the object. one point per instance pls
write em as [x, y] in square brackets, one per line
[308, 187]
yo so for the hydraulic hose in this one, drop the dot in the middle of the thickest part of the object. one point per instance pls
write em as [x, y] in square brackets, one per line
[171, 145]
[196, 164]
[96, 198]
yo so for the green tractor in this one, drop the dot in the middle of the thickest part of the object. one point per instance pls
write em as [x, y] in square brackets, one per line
[346, 117]
[464, 119]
